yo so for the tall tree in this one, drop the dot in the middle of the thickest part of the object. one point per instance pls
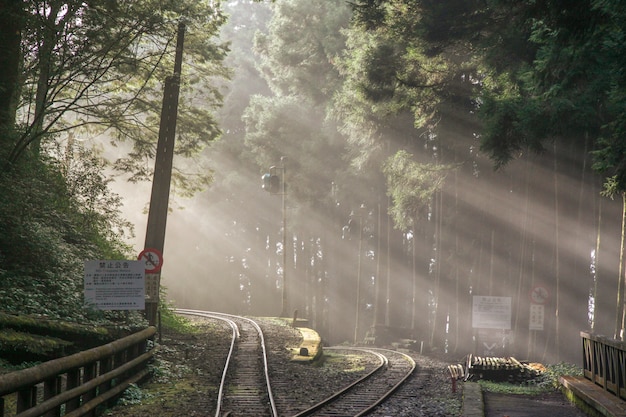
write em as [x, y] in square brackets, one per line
[413, 188]
[11, 25]
[99, 66]
[299, 62]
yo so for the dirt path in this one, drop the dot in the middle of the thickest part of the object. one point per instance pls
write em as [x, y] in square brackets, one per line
[544, 405]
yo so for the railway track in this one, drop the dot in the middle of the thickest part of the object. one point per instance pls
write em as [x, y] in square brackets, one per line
[245, 388]
[364, 395]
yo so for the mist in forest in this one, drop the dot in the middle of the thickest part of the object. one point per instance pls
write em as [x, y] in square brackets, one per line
[538, 224]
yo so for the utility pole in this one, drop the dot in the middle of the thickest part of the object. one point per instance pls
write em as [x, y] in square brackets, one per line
[159, 198]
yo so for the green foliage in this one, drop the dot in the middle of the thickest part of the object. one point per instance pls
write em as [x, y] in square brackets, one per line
[288, 126]
[365, 107]
[539, 71]
[14, 343]
[550, 377]
[6, 366]
[97, 69]
[298, 51]
[610, 188]
[170, 319]
[37, 324]
[567, 87]
[133, 395]
[391, 55]
[56, 217]
[166, 372]
[297, 61]
[412, 186]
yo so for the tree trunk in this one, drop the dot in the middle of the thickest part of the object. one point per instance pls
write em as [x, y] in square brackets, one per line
[557, 271]
[621, 305]
[10, 60]
[435, 335]
[596, 269]
[48, 41]
[618, 305]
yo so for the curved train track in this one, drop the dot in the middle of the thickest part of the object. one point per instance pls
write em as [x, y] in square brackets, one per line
[245, 388]
[364, 395]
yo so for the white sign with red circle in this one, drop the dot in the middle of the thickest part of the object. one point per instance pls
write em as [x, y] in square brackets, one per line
[153, 260]
[539, 295]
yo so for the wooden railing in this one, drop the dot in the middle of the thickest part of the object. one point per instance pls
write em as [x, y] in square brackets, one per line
[75, 385]
[604, 363]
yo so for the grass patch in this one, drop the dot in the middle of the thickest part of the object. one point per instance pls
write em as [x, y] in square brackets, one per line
[345, 363]
[509, 388]
[177, 323]
[171, 398]
[171, 320]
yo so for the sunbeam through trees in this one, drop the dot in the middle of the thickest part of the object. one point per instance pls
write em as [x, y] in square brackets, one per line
[444, 158]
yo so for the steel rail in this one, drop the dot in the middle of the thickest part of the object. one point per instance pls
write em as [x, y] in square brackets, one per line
[366, 379]
[231, 320]
[396, 386]
[383, 362]
[234, 337]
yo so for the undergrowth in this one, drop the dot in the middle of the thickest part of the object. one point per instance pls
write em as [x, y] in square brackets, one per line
[171, 320]
[133, 395]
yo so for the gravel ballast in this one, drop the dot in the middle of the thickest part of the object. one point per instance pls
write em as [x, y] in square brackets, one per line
[188, 370]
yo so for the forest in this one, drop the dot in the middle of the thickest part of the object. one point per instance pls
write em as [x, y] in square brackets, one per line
[430, 158]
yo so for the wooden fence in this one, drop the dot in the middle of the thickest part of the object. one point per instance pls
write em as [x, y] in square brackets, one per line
[604, 363]
[76, 385]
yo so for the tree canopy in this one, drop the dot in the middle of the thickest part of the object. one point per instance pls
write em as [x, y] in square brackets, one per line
[539, 70]
[99, 67]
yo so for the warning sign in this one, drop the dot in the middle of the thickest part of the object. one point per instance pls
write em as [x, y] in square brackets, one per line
[491, 312]
[539, 295]
[115, 285]
[153, 259]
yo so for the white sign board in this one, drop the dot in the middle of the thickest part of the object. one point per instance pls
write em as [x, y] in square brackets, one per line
[536, 317]
[491, 312]
[115, 285]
